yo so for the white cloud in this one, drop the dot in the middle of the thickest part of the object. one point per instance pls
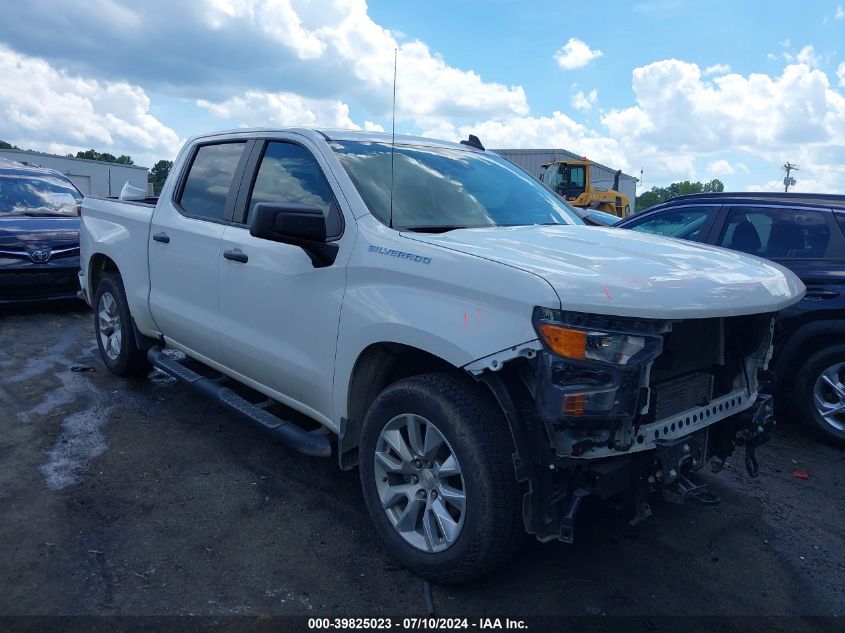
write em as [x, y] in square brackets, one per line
[679, 116]
[802, 185]
[717, 69]
[575, 54]
[720, 167]
[840, 12]
[675, 107]
[42, 107]
[327, 63]
[584, 102]
[283, 109]
[342, 35]
[807, 55]
[331, 49]
[557, 130]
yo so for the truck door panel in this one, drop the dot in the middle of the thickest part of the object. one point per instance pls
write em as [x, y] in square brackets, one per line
[278, 313]
[184, 247]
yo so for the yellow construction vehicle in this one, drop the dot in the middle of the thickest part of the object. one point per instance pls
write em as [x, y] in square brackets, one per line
[571, 179]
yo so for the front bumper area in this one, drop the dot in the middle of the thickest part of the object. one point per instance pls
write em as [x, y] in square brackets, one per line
[39, 282]
[667, 469]
[688, 395]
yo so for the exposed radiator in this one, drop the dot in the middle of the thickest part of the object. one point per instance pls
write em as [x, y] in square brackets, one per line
[679, 394]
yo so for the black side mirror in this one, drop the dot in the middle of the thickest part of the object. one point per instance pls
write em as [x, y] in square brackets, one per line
[296, 224]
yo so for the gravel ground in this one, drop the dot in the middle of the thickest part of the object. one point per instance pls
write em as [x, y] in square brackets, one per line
[140, 498]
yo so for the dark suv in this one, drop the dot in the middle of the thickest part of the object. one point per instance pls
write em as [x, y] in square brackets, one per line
[39, 234]
[805, 233]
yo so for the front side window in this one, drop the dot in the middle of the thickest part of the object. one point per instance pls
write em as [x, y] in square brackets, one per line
[776, 232]
[290, 174]
[441, 188]
[37, 194]
[210, 179]
[685, 223]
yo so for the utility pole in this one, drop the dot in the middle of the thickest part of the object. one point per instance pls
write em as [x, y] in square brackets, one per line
[788, 180]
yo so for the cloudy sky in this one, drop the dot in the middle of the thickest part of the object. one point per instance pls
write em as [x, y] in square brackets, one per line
[681, 89]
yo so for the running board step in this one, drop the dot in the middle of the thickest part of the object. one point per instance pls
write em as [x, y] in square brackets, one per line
[286, 432]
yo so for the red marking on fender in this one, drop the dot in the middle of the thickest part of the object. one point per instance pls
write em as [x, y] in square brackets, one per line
[466, 319]
[478, 312]
[607, 293]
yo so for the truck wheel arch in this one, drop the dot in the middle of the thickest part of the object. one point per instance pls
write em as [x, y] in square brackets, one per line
[377, 366]
[98, 266]
[805, 341]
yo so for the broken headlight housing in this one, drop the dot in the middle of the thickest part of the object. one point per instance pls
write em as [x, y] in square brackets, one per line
[593, 367]
[606, 347]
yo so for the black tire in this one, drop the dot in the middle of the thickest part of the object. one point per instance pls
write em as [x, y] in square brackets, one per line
[803, 395]
[130, 360]
[466, 414]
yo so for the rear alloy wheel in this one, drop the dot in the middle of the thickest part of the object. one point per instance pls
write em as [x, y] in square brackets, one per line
[436, 467]
[820, 392]
[114, 329]
[109, 326]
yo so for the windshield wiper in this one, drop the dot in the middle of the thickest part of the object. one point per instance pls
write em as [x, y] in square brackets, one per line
[442, 228]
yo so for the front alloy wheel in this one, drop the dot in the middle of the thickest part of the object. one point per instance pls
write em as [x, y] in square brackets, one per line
[437, 473]
[420, 483]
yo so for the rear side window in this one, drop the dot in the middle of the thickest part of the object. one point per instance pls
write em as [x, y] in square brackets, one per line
[209, 180]
[290, 174]
[685, 223]
[776, 233]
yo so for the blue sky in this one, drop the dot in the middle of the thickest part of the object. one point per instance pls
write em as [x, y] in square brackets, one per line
[677, 88]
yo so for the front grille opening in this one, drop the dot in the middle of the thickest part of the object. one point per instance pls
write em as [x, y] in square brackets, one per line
[703, 360]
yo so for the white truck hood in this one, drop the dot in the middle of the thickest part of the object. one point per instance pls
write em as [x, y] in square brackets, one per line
[627, 273]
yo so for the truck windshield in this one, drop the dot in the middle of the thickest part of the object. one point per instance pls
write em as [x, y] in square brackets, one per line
[443, 188]
[37, 194]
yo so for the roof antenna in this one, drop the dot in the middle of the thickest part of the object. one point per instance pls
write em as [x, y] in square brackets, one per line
[473, 141]
[393, 137]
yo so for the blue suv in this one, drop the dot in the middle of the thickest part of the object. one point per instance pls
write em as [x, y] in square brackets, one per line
[805, 233]
[39, 234]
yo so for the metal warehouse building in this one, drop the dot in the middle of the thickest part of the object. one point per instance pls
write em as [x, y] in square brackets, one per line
[91, 177]
[532, 160]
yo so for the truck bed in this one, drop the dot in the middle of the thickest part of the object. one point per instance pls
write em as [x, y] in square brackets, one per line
[121, 231]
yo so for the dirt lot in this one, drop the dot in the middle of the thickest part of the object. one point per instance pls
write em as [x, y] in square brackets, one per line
[141, 498]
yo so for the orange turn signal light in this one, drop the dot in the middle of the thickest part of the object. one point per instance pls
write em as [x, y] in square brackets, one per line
[563, 341]
[574, 404]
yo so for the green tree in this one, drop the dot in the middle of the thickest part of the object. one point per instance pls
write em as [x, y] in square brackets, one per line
[93, 154]
[660, 194]
[5, 145]
[158, 174]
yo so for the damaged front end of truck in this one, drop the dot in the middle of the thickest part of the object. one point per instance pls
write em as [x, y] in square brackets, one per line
[619, 408]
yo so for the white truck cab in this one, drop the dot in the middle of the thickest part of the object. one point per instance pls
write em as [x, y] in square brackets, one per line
[450, 325]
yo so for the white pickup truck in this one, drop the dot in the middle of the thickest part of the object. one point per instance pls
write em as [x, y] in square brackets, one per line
[434, 315]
